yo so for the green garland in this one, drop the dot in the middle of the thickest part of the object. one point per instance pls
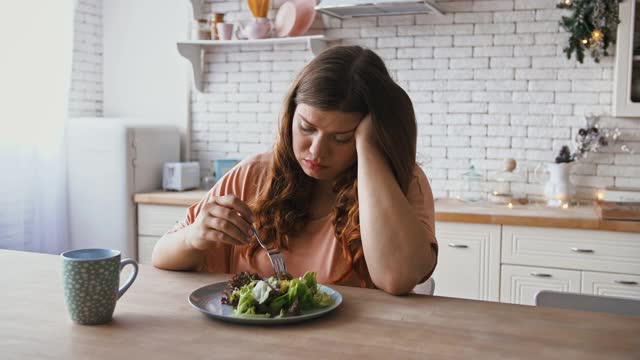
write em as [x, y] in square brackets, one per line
[592, 25]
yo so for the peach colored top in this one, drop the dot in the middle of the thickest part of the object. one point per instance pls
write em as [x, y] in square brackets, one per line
[316, 248]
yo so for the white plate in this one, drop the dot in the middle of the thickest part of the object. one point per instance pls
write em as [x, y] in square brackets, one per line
[207, 300]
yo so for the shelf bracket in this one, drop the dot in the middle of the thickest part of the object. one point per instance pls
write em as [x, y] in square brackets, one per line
[194, 50]
[195, 55]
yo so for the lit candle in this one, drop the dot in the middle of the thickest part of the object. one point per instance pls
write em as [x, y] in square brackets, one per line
[600, 195]
[510, 206]
[565, 205]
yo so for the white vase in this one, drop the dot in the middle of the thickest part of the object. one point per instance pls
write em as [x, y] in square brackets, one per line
[558, 188]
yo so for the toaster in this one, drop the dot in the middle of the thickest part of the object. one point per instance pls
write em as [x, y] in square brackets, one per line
[180, 176]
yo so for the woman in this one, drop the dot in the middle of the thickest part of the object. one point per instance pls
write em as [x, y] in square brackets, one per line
[340, 194]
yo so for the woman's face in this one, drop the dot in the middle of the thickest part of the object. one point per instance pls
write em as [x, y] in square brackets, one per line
[323, 141]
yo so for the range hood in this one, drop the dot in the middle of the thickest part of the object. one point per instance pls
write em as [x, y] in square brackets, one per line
[346, 9]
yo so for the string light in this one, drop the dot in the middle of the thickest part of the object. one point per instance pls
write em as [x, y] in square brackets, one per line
[597, 35]
[592, 25]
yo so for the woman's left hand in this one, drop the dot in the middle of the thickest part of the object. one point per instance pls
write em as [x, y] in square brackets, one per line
[364, 132]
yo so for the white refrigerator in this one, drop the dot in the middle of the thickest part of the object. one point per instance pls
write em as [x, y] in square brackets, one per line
[108, 161]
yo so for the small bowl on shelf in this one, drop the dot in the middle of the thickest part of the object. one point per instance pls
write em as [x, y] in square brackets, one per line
[294, 17]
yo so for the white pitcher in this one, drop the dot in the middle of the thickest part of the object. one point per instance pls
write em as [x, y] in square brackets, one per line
[558, 188]
[259, 28]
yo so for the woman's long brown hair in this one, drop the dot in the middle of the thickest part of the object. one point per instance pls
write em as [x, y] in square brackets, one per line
[348, 79]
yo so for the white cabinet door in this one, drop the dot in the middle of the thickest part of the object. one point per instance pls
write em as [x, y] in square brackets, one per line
[156, 220]
[592, 250]
[153, 222]
[468, 261]
[620, 285]
[145, 248]
[520, 284]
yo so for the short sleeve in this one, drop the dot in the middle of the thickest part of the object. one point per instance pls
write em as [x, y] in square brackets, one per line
[243, 181]
[420, 197]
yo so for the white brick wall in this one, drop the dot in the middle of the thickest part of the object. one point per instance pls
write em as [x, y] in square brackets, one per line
[488, 80]
[86, 86]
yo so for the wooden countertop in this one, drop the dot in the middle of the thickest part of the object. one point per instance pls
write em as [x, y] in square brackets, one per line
[182, 198]
[579, 217]
[154, 320]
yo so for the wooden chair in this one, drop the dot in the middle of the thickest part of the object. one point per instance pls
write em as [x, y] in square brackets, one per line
[599, 303]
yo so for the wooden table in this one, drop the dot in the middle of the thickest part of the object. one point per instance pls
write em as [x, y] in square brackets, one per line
[153, 320]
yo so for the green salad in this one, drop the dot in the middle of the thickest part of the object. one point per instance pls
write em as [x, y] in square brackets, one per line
[252, 296]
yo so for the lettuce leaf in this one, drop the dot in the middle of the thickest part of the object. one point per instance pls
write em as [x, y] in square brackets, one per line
[309, 279]
[260, 299]
[321, 299]
[261, 291]
[247, 301]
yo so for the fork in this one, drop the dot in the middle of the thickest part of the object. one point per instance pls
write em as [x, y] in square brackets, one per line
[277, 260]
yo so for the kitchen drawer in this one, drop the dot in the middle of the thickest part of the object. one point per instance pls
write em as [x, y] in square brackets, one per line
[520, 284]
[468, 261]
[156, 220]
[145, 248]
[620, 285]
[594, 250]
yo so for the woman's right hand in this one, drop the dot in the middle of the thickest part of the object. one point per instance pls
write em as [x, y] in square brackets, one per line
[224, 219]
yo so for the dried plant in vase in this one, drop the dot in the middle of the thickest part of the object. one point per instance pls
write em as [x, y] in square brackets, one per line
[590, 139]
[259, 8]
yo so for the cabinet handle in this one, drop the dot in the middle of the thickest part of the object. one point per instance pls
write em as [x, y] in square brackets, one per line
[625, 282]
[579, 250]
[537, 274]
[458, 246]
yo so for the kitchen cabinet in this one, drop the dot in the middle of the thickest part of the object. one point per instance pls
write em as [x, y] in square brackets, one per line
[468, 261]
[621, 285]
[626, 90]
[606, 251]
[520, 284]
[153, 222]
[574, 260]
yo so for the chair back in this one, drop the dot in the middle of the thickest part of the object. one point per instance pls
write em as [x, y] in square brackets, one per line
[426, 288]
[599, 303]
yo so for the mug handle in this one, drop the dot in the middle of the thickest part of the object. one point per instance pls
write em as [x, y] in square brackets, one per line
[239, 31]
[132, 277]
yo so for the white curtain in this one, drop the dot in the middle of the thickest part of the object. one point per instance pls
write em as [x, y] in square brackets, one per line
[36, 37]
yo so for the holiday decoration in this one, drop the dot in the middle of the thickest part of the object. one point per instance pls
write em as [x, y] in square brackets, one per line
[592, 25]
[591, 139]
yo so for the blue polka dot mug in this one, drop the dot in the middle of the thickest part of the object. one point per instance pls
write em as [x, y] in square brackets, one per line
[91, 280]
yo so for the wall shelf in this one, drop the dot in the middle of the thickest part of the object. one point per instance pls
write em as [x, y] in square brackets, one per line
[193, 50]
